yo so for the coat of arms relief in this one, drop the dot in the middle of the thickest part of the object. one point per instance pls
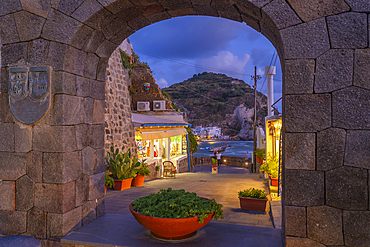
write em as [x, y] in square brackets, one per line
[29, 93]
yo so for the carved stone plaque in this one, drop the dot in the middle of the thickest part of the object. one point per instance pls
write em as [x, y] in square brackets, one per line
[29, 93]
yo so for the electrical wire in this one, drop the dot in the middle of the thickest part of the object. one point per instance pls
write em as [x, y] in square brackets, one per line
[191, 64]
[272, 58]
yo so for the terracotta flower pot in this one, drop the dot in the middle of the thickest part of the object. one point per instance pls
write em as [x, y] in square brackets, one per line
[138, 181]
[274, 181]
[105, 192]
[170, 228]
[260, 160]
[247, 203]
[122, 184]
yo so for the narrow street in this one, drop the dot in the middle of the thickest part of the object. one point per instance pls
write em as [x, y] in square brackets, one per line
[237, 227]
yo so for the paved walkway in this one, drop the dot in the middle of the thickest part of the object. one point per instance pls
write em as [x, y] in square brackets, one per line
[237, 226]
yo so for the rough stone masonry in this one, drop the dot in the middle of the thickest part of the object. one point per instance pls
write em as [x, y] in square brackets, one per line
[51, 170]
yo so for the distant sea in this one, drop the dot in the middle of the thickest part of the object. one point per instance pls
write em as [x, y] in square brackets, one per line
[236, 149]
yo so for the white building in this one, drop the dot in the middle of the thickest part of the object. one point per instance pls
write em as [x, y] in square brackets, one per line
[213, 132]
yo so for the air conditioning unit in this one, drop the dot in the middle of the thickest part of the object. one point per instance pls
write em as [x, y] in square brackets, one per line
[159, 105]
[143, 106]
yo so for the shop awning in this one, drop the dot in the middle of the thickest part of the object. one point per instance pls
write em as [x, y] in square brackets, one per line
[151, 127]
[148, 134]
[142, 120]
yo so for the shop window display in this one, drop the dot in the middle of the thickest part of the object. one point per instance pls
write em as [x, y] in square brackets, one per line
[156, 148]
[184, 145]
[176, 145]
[163, 148]
[142, 147]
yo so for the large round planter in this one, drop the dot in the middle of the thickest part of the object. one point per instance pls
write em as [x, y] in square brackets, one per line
[247, 203]
[138, 181]
[170, 228]
[122, 184]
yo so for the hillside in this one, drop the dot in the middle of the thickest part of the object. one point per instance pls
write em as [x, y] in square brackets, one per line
[211, 99]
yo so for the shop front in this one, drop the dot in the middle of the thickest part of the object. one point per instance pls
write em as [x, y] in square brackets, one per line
[160, 139]
[273, 138]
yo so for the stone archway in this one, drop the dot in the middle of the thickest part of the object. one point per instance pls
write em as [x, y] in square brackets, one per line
[52, 172]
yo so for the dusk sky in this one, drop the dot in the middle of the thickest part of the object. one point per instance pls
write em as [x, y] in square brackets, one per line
[178, 48]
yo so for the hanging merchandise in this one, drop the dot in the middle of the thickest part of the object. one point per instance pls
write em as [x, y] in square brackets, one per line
[141, 145]
[184, 144]
[176, 146]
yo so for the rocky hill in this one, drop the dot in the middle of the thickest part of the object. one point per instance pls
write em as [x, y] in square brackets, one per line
[210, 99]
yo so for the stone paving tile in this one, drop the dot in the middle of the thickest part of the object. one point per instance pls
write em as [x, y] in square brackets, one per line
[222, 187]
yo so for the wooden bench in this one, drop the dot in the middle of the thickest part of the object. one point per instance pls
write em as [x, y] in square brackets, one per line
[169, 169]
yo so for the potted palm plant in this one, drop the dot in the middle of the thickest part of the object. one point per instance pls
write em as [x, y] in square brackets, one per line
[253, 199]
[174, 214]
[109, 181]
[123, 167]
[143, 171]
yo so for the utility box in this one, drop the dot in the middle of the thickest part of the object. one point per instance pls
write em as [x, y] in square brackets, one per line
[159, 105]
[143, 106]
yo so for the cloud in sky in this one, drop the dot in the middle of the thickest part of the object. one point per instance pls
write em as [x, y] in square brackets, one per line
[260, 71]
[197, 40]
[261, 56]
[227, 62]
[162, 83]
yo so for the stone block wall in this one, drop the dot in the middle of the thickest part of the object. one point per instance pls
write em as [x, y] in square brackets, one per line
[233, 161]
[119, 130]
[141, 75]
[183, 165]
[326, 125]
[51, 172]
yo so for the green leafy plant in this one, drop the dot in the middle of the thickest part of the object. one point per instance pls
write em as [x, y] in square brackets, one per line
[165, 94]
[253, 193]
[109, 181]
[157, 168]
[271, 166]
[260, 153]
[177, 204]
[143, 170]
[122, 166]
[131, 90]
[214, 161]
[125, 59]
[176, 107]
[193, 144]
[146, 65]
[272, 162]
[264, 167]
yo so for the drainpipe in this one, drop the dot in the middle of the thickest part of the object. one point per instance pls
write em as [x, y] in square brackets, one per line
[270, 71]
